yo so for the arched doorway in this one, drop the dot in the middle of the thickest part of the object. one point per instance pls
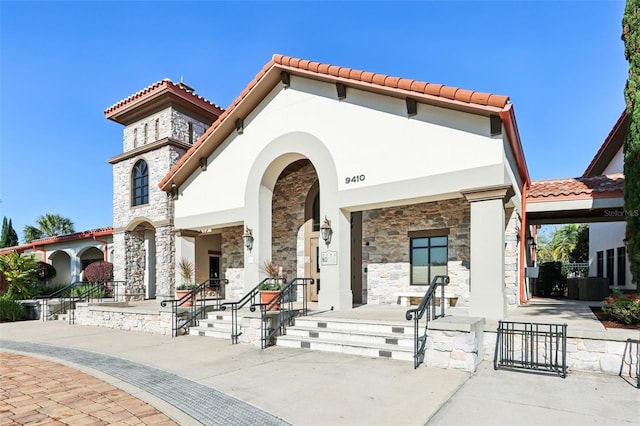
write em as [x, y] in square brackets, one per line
[61, 261]
[90, 255]
[294, 225]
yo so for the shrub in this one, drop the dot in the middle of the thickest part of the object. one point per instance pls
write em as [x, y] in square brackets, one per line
[99, 271]
[10, 310]
[20, 273]
[622, 308]
[46, 290]
[45, 271]
[93, 290]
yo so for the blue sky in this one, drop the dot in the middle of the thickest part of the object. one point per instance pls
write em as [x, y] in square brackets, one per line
[63, 63]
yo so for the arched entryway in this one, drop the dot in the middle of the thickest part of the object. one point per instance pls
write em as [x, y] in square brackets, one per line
[61, 261]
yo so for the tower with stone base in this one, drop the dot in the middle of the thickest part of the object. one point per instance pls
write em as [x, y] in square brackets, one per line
[161, 122]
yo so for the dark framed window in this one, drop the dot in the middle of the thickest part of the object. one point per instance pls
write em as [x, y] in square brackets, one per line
[600, 264]
[622, 266]
[610, 262]
[140, 184]
[429, 255]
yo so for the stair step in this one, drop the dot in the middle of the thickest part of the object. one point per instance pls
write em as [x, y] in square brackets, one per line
[210, 332]
[352, 348]
[377, 327]
[352, 336]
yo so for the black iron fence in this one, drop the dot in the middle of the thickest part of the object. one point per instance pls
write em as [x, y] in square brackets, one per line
[532, 346]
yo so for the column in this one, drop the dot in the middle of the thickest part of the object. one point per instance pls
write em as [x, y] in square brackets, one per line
[487, 298]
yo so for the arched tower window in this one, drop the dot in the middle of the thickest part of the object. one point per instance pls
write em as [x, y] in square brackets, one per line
[140, 184]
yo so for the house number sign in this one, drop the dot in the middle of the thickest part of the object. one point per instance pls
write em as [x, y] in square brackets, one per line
[329, 258]
[354, 179]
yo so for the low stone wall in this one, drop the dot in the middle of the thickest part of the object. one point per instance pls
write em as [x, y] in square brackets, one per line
[589, 351]
[123, 317]
[454, 342]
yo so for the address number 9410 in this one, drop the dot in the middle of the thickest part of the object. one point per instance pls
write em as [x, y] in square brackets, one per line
[354, 179]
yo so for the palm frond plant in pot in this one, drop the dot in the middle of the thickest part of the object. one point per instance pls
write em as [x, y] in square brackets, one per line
[272, 286]
[186, 269]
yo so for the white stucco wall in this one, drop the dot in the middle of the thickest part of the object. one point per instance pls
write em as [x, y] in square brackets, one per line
[616, 165]
[602, 237]
[367, 135]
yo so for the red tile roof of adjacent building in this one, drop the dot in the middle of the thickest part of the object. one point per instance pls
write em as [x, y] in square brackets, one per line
[437, 94]
[570, 188]
[82, 235]
[158, 87]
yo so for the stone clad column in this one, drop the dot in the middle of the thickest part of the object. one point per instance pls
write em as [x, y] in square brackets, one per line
[487, 298]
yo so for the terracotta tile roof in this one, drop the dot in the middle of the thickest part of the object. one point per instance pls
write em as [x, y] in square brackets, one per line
[98, 232]
[583, 187]
[479, 100]
[155, 87]
[611, 145]
[439, 90]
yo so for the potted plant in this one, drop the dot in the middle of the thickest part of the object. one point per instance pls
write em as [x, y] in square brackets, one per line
[272, 286]
[186, 270]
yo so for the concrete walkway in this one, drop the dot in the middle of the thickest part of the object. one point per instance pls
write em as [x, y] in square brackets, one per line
[204, 380]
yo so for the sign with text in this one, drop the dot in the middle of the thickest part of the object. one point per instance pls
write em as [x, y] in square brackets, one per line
[328, 258]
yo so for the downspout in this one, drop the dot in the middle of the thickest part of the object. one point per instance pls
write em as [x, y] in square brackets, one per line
[106, 247]
[523, 242]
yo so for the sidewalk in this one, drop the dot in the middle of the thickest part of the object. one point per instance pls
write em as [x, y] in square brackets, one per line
[301, 387]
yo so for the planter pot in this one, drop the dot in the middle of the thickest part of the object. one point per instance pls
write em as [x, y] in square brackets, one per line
[181, 293]
[266, 296]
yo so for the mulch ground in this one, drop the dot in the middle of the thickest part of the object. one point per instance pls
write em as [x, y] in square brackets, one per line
[607, 323]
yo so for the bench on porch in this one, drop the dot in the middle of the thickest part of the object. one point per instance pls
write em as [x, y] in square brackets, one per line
[409, 298]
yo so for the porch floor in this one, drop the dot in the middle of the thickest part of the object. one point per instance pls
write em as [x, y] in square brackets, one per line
[575, 313]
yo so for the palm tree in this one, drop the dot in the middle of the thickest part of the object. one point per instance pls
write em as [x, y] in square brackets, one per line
[48, 225]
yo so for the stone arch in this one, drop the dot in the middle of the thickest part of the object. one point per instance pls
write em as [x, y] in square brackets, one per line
[140, 257]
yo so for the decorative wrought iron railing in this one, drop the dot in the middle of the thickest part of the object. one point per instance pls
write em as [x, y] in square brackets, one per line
[82, 291]
[532, 346]
[249, 298]
[279, 312]
[195, 304]
[631, 361]
[427, 305]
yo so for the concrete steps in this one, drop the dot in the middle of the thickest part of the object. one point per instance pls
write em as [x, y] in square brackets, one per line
[378, 339]
[217, 324]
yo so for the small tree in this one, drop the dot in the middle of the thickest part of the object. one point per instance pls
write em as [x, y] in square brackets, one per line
[8, 235]
[631, 147]
[580, 252]
[20, 273]
[99, 271]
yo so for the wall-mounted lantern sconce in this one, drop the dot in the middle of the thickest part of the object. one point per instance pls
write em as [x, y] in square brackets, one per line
[173, 192]
[248, 238]
[240, 126]
[326, 232]
[342, 90]
[625, 241]
[531, 242]
[203, 163]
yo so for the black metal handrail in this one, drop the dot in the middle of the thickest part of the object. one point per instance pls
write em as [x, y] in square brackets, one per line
[192, 307]
[416, 314]
[68, 296]
[632, 361]
[282, 302]
[250, 297]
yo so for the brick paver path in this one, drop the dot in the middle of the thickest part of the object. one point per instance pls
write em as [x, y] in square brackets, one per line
[38, 392]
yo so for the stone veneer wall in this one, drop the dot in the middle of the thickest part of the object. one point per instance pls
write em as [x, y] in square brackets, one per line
[134, 261]
[124, 318]
[288, 206]
[511, 277]
[232, 261]
[165, 262]
[386, 251]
